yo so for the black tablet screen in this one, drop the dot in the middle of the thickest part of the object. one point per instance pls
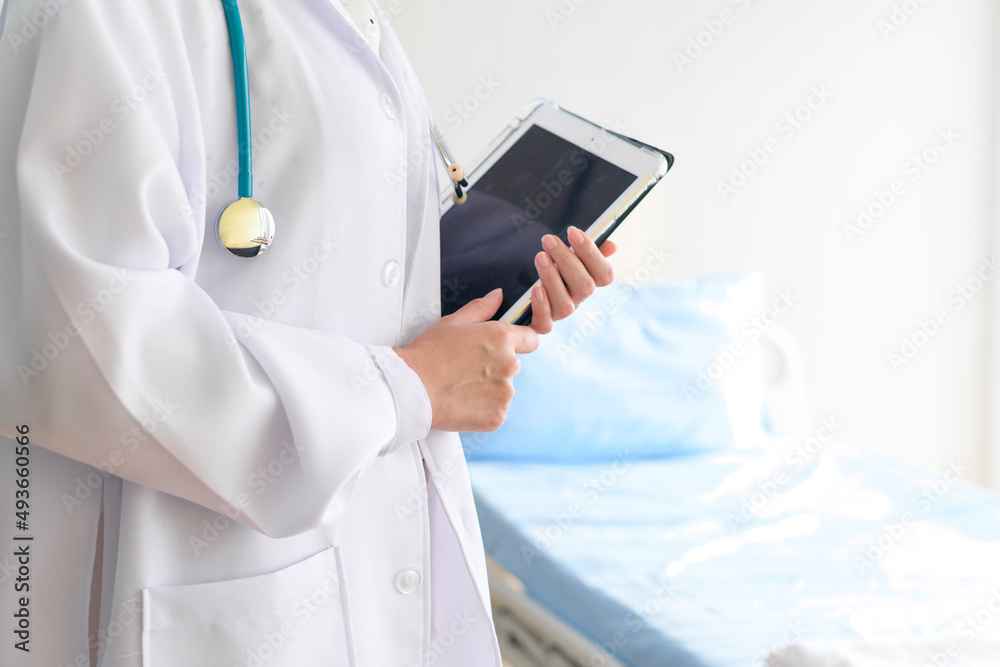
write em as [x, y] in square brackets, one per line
[542, 185]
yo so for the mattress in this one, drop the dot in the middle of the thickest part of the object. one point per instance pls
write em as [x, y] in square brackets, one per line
[729, 558]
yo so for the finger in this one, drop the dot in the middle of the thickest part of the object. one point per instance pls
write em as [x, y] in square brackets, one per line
[479, 310]
[525, 339]
[608, 248]
[578, 280]
[597, 265]
[561, 305]
[541, 312]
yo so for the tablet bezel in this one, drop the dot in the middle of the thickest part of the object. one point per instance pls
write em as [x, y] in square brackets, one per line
[648, 165]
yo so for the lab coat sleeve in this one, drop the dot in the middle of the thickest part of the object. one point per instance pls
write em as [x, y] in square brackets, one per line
[109, 349]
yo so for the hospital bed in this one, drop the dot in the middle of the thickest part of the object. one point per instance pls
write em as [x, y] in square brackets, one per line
[632, 521]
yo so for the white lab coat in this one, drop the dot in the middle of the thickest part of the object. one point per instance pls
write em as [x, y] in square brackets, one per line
[266, 502]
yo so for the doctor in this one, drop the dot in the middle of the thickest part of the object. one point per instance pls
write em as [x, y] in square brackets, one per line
[269, 441]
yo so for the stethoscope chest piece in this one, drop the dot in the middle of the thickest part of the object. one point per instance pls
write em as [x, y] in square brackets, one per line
[245, 228]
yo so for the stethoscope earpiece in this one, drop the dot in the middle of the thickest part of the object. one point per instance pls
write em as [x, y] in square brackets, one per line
[455, 171]
[457, 176]
[245, 228]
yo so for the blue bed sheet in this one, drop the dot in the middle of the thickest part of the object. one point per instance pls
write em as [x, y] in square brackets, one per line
[720, 559]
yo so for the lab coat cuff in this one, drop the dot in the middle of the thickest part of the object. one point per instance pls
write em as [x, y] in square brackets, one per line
[413, 406]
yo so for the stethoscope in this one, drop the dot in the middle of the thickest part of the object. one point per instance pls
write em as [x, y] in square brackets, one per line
[245, 228]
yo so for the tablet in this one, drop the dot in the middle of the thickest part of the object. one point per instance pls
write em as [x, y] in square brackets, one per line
[549, 170]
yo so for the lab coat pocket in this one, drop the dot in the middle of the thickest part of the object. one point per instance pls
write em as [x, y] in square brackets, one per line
[293, 617]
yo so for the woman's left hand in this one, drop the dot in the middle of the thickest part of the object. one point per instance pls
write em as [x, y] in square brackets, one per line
[569, 275]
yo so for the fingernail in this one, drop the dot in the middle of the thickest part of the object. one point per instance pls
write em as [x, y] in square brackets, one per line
[543, 260]
[494, 292]
[576, 236]
[549, 242]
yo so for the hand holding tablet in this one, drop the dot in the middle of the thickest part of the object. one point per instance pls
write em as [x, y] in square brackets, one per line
[549, 171]
[552, 180]
[568, 275]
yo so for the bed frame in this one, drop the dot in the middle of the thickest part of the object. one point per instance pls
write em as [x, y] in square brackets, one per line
[530, 635]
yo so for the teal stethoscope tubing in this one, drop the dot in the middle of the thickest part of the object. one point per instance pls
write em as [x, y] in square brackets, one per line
[242, 85]
[236, 43]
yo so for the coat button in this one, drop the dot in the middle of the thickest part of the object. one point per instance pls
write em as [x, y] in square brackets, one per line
[407, 580]
[388, 107]
[390, 273]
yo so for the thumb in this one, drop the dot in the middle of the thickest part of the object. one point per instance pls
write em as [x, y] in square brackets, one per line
[479, 310]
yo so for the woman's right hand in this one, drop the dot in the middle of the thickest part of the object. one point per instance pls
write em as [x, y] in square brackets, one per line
[468, 363]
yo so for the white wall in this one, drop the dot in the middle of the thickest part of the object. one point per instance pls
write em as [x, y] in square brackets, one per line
[890, 96]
